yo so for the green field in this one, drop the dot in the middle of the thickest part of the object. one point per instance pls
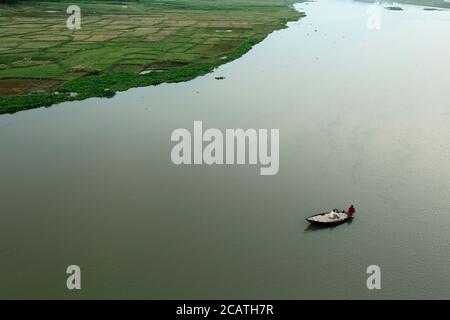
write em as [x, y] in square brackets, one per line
[123, 44]
[431, 3]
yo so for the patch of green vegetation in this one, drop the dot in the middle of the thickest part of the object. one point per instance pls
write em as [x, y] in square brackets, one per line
[42, 71]
[120, 44]
[431, 3]
[394, 8]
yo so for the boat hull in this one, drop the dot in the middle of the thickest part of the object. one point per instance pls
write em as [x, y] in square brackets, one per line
[325, 219]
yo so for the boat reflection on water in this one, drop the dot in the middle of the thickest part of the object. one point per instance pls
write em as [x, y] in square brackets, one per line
[318, 227]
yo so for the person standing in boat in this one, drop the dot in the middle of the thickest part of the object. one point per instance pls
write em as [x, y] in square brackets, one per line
[351, 211]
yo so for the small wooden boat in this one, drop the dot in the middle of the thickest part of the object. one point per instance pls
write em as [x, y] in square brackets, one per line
[329, 218]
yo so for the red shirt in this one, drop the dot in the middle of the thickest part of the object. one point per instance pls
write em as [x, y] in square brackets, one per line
[351, 210]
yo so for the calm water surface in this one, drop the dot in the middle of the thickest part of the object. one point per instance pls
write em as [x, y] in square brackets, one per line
[364, 118]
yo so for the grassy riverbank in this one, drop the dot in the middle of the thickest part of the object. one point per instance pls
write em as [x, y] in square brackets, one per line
[431, 3]
[123, 44]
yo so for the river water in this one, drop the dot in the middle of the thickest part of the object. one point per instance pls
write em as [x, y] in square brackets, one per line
[364, 118]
